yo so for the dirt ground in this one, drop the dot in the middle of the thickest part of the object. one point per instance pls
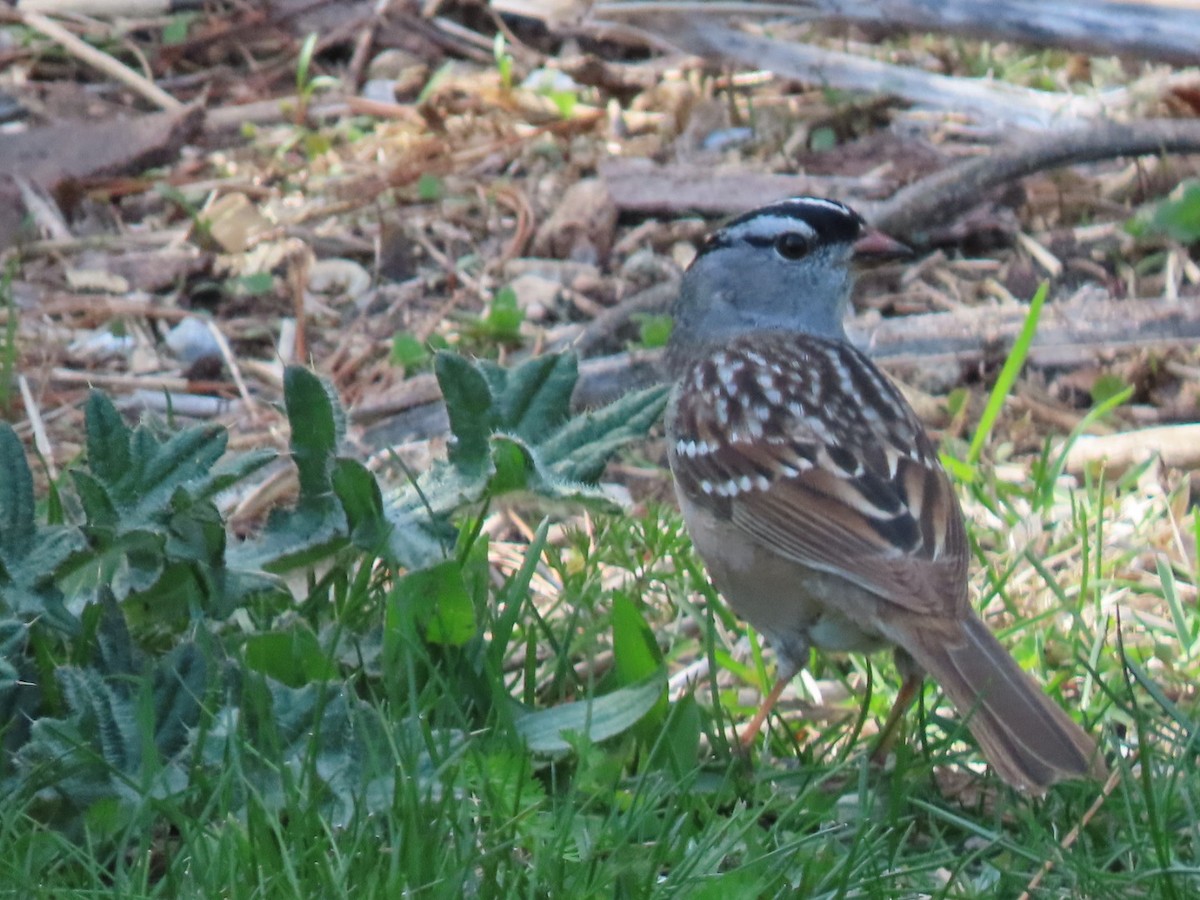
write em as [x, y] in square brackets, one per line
[407, 182]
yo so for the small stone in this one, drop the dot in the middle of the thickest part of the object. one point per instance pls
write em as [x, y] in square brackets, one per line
[235, 222]
[550, 80]
[102, 345]
[390, 64]
[536, 296]
[645, 267]
[380, 90]
[334, 277]
[191, 340]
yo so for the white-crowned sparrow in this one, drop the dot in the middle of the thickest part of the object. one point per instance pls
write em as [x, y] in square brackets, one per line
[814, 495]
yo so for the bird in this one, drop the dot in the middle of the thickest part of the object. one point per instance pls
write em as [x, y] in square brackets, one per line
[816, 499]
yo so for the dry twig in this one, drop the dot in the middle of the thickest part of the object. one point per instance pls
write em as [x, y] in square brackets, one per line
[97, 59]
[912, 213]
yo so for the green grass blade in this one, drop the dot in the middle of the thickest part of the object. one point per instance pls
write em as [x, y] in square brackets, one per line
[1008, 375]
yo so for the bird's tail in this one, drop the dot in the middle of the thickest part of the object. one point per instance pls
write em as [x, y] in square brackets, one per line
[1029, 740]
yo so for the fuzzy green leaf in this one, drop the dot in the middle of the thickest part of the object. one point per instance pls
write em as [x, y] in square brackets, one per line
[179, 683]
[415, 539]
[362, 501]
[436, 599]
[471, 407]
[229, 471]
[98, 506]
[513, 432]
[108, 439]
[520, 468]
[534, 398]
[294, 657]
[295, 538]
[30, 556]
[19, 692]
[135, 475]
[318, 425]
[27, 581]
[139, 471]
[317, 527]
[330, 744]
[115, 653]
[147, 501]
[104, 712]
[482, 398]
[1177, 216]
[16, 493]
[124, 729]
[581, 448]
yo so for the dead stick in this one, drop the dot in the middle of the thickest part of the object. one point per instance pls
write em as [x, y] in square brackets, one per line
[1070, 333]
[97, 59]
[1178, 446]
[911, 211]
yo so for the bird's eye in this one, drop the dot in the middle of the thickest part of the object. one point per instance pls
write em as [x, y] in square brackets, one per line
[791, 245]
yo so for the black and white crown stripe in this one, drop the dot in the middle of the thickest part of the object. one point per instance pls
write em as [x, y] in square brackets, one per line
[817, 219]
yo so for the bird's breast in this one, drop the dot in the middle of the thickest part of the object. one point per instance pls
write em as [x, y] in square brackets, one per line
[794, 606]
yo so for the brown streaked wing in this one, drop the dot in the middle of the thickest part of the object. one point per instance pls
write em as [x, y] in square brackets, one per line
[818, 531]
[869, 505]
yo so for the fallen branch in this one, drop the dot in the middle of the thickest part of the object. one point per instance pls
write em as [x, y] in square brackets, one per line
[993, 102]
[1167, 32]
[912, 212]
[644, 187]
[48, 155]
[107, 9]
[923, 348]
[1177, 446]
[1068, 334]
[99, 60]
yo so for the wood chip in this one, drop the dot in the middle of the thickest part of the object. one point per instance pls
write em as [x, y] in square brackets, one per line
[1177, 445]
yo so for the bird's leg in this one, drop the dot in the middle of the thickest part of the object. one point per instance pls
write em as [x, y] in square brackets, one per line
[910, 688]
[787, 671]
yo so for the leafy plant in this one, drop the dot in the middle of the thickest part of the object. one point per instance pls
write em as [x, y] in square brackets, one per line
[430, 187]
[557, 87]
[30, 554]
[1177, 216]
[119, 739]
[153, 531]
[502, 321]
[408, 351]
[564, 101]
[124, 684]
[503, 60]
[307, 84]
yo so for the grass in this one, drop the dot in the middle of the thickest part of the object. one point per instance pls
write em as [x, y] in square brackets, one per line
[475, 815]
[1091, 584]
[364, 757]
